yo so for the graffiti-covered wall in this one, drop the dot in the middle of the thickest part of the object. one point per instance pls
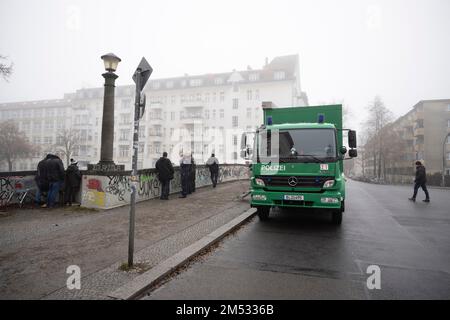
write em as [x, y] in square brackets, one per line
[13, 185]
[114, 190]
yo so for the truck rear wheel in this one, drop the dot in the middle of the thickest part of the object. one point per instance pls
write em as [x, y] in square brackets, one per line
[263, 213]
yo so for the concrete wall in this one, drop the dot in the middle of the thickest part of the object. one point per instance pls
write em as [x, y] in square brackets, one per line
[108, 191]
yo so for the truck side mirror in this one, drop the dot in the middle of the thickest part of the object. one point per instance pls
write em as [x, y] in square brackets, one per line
[343, 150]
[353, 153]
[352, 139]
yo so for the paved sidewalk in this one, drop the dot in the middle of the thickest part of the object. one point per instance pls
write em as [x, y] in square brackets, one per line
[36, 246]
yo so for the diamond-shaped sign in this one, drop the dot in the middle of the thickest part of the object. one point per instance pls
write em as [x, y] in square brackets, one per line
[145, 72]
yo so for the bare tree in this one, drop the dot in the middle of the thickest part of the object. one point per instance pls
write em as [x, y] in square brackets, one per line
[379, 116]
[5, 70]
[66, 142]
[13, 143]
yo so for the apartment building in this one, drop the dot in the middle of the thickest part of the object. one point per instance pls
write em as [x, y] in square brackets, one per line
[199, 114]
[424, 133]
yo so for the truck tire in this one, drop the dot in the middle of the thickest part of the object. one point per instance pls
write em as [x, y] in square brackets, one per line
[263, 213]
[336, 217]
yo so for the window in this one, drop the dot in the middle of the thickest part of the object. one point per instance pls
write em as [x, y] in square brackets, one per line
[199, 96]
[206, 114]
[37, 126]
[256, 94]
[155, 85]
[206, 97]
[26, 126]
[142, 132]
[37, 113]
[222, 96]
[36, 140]
[235, 155]
[125, 118]
[48, 140]
[182, 98]
[253, 77]
[124, 151]
[214, 114]
[169, 84]
[218, 81]
[141, 147]
[50, 112]
[235, 121]
[214, 96]
[249, 112]
[235, 140]
[173, 99]
[235, 103]
[221, 148]
[249, 94]
[124, 135]
[222, 113]
[48, 125]
[171, 131]
[448, 107]
[126, 103]
[196, 82]
[279, 75]
[172, 115]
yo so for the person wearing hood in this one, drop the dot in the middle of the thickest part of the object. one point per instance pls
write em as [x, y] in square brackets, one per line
[73, 179]
[420, 182]
[55, 173]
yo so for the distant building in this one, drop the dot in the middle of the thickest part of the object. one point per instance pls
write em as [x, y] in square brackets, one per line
[200, 114]
[423, 131]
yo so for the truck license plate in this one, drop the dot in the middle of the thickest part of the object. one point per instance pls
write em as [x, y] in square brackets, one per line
[294, 197]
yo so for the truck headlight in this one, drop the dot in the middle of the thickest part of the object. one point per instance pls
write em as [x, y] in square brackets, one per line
[328, 184]
[260, 182]
[329, 200]
[260, 197]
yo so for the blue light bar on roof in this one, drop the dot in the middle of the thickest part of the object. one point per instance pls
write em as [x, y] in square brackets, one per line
[269, 120]
[321, 118]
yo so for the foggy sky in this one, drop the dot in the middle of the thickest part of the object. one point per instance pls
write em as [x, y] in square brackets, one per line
[349, 50]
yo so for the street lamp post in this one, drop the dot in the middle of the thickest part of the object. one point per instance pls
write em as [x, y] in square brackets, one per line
[106, 162]
[443, 158]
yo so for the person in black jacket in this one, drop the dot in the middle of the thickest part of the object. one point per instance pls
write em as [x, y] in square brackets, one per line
[41, 180]
[420, 182]
[73, 179]
[55, 174]
[213, 165]
[192, 175]
[165, 174]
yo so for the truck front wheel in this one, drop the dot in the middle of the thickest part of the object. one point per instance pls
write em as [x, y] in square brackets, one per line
[337, 215]
[263, 213]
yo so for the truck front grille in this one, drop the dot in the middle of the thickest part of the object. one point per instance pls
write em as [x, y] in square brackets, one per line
[302, 181]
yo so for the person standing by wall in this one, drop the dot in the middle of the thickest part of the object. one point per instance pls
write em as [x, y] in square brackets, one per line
[165, 172]
[73, 179]
[185, 168]
[192, 175]
[213, 165]
[420, 182]
[41, 180]
[55, 178]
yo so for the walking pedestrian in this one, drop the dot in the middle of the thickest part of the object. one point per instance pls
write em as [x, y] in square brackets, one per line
[192, 175]
[185, 169]
[420, 182]
[41, 180]
[165, 172]
[55, 172]
[213, 164]
[72, 183]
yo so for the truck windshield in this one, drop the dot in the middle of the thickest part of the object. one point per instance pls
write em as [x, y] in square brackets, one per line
[297, 145]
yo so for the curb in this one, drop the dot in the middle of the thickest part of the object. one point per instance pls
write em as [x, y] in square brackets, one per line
[140, 284]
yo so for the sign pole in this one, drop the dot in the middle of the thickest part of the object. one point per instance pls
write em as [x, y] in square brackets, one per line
[134, 175]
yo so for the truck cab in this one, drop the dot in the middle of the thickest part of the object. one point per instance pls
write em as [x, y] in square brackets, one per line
[297, 160]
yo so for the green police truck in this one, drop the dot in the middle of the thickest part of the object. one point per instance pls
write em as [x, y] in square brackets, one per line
[297, 159]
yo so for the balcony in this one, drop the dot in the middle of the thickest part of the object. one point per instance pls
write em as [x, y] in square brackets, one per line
[418, 132]
[192, 118]
[418, 115]
[155, 136]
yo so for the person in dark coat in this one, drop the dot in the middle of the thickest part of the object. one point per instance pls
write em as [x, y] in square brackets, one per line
[41, 180]
[165, 174]
[213, 165]
[192, 175]
[73, 179]
[420, 182]
[56, 174]
[185, 169]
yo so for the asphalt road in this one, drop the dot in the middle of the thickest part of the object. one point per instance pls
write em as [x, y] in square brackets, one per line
[298, 255]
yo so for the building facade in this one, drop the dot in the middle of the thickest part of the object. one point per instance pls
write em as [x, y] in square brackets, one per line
[424, 135]
[201, 115]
